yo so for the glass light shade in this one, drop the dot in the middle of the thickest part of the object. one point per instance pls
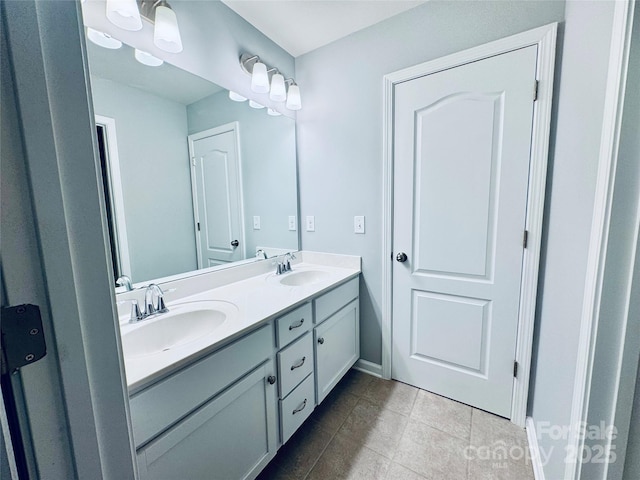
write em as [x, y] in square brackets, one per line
[273, 113]
[236, 97]
[166, 34]
[147, 59]
[253, 104]
[102, 39]
[124, 14]
[294, 102]
[259, 78]
[278, 91]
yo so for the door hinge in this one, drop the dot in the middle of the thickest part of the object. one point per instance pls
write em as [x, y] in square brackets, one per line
[22, 337]
[515, 369]
[525, 239]
[193, 161]
[535, 90]
[198, 226]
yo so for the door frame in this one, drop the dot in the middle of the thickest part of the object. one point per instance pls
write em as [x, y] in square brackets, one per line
[545, 38]
[231, 126]
[115, 184]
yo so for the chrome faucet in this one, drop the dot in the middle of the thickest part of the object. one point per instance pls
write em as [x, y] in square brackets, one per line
[287, 261]
[153, 304]
[124, 281]
[260, 253]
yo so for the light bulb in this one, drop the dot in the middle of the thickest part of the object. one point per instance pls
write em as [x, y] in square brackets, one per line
[253, 104]
[294, 102]
[278, 91]
[259, 78]
[147, 59]
[166, 34]
[236, 97]
[124, 14]
[102, 39]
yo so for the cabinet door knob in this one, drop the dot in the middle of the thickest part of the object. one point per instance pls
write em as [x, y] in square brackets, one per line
[235, 243]
[401, 257]
[321, 340]
[271, 379]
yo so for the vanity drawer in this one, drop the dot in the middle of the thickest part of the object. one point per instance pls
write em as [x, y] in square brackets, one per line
[294, 363]
[331, 302]
[164, 403]
[293, 324]
[295, 409]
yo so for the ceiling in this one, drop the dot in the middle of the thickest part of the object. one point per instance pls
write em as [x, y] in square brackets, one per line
[300, 26]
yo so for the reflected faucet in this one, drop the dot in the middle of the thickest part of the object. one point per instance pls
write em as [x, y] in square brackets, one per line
[124, 281]
[260, 253]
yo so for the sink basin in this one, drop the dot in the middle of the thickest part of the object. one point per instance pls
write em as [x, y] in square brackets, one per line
[182, 324]
[301, 278]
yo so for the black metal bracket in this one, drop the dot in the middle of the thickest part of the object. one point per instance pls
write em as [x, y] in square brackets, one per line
[22, 337]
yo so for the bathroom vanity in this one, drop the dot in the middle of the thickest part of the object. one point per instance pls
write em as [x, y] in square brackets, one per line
[219, 404]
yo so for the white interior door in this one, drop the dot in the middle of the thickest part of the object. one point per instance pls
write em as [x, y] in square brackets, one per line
[462, 141]
[217, 195]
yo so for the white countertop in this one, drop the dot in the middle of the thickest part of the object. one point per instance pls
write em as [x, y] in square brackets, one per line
[257, 299]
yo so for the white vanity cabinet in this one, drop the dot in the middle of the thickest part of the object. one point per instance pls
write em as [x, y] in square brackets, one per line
[233, 434]
[336, 335]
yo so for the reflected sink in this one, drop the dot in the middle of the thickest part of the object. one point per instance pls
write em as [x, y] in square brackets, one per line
[301, 277]
[182, 324]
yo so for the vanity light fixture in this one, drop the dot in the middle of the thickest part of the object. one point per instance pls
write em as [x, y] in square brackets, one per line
[102, 39]
[128, 14]
[124, 14]
[236, 97]
[273, 113]
[147, 59]
[266, 79]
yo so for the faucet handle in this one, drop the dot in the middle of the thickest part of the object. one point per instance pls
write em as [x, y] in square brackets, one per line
[136, 314]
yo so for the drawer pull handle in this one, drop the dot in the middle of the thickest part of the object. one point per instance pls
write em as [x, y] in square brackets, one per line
[301, 407]
[271, 379]
[321, 340]
[299, 364]
[297, 325]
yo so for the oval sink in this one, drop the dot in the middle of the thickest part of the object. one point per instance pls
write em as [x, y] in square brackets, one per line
[302, 277]
[183, 323]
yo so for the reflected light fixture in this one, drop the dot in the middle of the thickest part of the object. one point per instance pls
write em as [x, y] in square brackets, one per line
[273, 113]
[102, 39]
[124, 14]
[166, 34]
[266, 79]
[294, 102]
[236, 97]
[253, 104]
[147, 59]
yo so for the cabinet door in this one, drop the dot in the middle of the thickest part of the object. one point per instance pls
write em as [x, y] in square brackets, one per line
[232, 437]
[337, 348]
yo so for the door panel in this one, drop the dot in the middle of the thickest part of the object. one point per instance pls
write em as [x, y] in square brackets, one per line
[217, 196]
[461, 165]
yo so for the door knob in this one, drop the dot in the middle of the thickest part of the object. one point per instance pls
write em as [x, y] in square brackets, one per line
[271, 379]
[401, 257]
[235, 243]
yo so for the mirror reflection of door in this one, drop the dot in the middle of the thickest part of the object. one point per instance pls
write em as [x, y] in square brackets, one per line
[217, 195]
[114, 204]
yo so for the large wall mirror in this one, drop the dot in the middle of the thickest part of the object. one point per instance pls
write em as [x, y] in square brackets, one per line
[192, 179]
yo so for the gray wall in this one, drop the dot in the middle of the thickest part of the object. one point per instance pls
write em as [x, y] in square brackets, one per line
[340, 126]
[268, 156]
[156, 179]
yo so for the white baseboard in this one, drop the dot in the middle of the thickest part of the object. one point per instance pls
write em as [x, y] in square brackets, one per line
[534, 449]
[368, 367]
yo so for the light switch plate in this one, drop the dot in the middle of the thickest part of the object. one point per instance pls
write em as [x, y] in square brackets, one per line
[358, 224]
[292, 223]
[256, 222]
[311, 223]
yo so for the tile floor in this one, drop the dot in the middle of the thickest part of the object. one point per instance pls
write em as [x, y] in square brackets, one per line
[369, 429]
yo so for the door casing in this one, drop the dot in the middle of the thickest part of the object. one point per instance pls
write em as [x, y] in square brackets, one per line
[545, 38]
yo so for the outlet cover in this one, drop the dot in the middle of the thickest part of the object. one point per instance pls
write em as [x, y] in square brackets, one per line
[358, 224]
[292, 223]
[256, 222]
[311, 223]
